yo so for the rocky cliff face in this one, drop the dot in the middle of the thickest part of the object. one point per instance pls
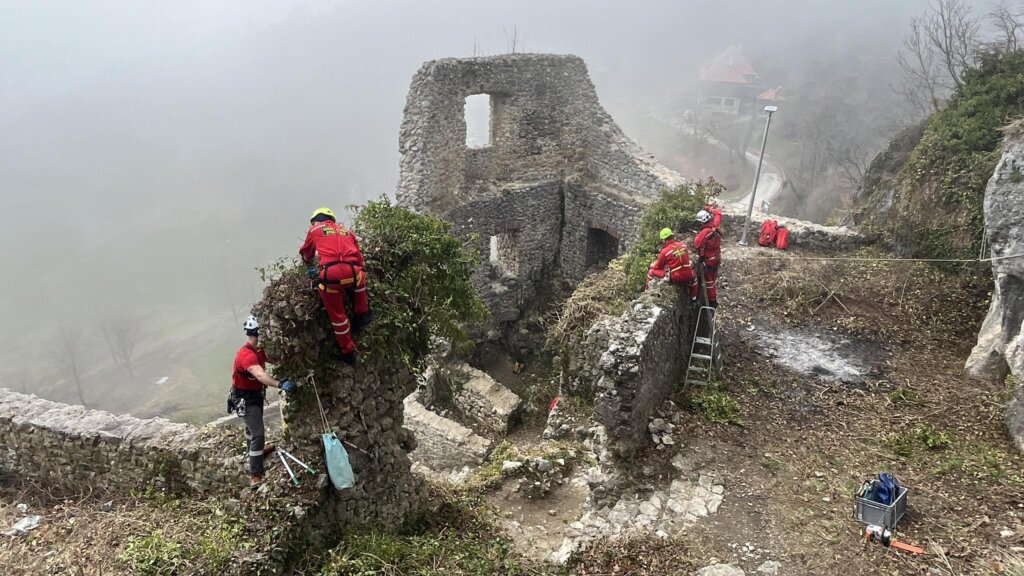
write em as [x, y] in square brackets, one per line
[1000, 347]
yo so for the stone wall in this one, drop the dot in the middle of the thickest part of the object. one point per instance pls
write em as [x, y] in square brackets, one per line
[1000, 347]
[801, 233]
[443, 446]
[489, 406]
[560, 187]
[60, 445]
[362, 405]
[640, 360]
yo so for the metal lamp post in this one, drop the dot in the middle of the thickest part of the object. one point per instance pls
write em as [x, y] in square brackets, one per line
[750, 209]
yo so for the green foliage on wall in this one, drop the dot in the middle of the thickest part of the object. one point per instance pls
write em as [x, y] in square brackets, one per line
[941, 189]
[674, 209]
[418, 280]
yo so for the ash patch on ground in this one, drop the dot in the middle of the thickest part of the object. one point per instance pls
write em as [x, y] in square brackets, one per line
[826, 354]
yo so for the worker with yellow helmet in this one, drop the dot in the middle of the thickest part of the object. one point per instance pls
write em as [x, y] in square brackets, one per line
[339, 271]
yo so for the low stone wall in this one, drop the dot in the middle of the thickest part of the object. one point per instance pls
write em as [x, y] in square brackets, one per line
[488, 405]
[60, 445]
[443, 445]
[633, 363]
[801, 233]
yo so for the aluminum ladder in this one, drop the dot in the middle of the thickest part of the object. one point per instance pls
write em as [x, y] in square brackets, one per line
[706, 349]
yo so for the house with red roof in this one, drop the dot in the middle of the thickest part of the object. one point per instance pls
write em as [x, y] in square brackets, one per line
[729, 83]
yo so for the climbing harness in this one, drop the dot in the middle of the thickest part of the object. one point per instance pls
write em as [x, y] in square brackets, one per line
[338, 467]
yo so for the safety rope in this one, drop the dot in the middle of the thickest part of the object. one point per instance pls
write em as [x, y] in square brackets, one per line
[327, 428]
[860, 259]
[323, 415]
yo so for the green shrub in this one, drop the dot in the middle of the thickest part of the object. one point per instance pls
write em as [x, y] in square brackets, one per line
[941, 188]
[420, 281]
[716, 405]
[674, 209]
[419, 289]
[153, 555]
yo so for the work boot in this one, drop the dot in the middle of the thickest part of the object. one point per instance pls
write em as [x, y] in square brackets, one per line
[268, 450]
[349, 358]
[255, 481]
[362, 321]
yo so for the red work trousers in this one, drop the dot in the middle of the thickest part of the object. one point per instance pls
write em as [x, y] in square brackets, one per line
[711, 281]
[336, 281]
[681, 276]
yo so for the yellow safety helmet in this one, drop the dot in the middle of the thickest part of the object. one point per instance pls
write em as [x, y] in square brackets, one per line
[665, 233]
[324, 211]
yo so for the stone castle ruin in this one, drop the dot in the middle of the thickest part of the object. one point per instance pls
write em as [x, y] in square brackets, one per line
[555, 191]
[557, 188]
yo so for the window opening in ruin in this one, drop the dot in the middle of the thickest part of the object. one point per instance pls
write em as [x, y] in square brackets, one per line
[478, 121]
[602, 248]
[503, 253]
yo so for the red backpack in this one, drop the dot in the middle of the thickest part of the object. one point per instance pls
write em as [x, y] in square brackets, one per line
[768, 230]
[782, 238]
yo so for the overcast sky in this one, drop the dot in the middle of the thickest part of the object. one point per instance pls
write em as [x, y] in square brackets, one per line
[147, 148]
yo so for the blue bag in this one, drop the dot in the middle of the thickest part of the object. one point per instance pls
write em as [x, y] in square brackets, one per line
[888, 489]
[338, 468]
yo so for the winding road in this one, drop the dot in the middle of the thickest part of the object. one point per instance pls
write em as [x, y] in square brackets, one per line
[770, 184]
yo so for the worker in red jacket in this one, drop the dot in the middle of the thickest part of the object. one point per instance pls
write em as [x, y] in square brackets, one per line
[708, 244]
[673, 261]
[249, 381]
[339, 272]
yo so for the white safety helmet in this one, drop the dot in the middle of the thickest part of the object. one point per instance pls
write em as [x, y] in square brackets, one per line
[251, 324]
[703, 216]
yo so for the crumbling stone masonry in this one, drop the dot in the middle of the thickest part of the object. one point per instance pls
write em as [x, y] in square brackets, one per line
[559, 188]
[60, 445]
[636, 361]
[443, 446]
[363, 406]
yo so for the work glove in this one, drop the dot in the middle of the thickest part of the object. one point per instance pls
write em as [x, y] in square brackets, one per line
[312, 272]
[287, 385]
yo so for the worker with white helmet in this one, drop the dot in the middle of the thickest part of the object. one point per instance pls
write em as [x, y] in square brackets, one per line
[708, 244]
[249, 380]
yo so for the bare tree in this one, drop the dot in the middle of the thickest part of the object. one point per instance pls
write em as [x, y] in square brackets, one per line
[1008, 24]
[940, 47]
[921, 85]
[122, 334]
[512, 39]
[69, 348]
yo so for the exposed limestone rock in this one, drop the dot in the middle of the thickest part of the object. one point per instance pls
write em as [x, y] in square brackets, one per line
[443, 446]
[999, 348]
[721, 570]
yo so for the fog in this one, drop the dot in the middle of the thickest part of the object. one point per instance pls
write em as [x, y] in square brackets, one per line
[153, 154]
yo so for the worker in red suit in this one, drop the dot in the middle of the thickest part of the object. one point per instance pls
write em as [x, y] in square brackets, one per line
[340, 273]
[249, 381]
[674, 262]
[708, 245]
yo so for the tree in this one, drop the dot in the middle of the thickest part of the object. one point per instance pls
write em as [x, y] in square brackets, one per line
[1008, 25]
[941, 46]
[69, 349]
[122, 334]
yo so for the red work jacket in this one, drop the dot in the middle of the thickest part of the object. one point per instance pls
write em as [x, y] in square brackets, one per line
[333, 243]
[247, 357]
[674, 256]
[709, 245]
